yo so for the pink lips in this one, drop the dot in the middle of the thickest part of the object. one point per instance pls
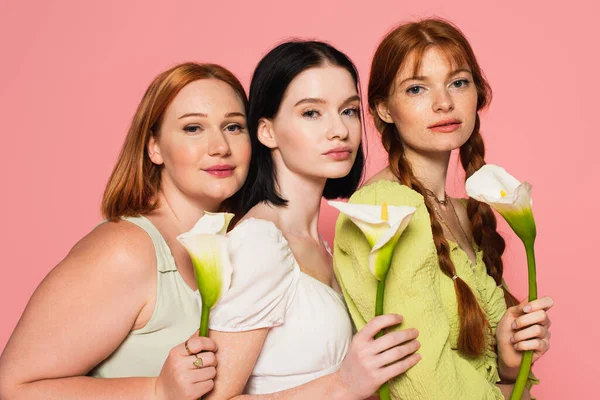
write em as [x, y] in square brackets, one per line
[446, 126]
[220, 171]
[339, 153]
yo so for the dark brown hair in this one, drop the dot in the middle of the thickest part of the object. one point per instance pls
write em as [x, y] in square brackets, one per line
[413, 40]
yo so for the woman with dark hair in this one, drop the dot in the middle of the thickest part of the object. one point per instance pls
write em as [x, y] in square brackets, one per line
[425, 91]
[283, 327]
[118, 317]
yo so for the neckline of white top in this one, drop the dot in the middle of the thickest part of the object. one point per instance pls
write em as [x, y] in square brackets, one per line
[297, 265]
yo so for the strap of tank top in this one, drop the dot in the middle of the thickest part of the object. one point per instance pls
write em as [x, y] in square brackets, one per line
[164, 257]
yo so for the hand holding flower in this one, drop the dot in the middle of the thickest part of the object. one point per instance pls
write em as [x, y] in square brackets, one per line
[371, 362]
[523, 327]
[180, 378]
[206, 243]
[382, 226]
[491, 184]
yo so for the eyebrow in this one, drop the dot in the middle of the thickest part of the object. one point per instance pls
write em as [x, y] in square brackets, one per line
[310, 100]
[424, 78]
[193, 115]
[235, 114]
[351, 99]
[228, 115]
[321, 101]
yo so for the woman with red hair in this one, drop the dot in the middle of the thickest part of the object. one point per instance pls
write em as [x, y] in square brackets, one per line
[118, 317]
[425, 91]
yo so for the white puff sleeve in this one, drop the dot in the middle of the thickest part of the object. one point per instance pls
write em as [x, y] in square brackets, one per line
[264, 280]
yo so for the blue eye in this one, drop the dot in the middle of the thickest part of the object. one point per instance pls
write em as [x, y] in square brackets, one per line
[311, 114]
[414, 90]
[234, 128]
[351, 112]
[461, 83]
[192, 128]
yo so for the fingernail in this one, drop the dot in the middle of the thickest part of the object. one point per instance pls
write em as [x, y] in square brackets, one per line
[515, 346]
[418, 357]
[512, 339]
[418, 343]
[514, 325]
[527, 308]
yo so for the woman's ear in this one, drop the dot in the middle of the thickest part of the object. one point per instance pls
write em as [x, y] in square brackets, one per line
[154, 151]
[265, 133]
[383, 111]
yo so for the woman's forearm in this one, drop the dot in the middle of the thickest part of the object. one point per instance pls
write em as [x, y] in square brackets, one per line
[81, 387]
[329, 386]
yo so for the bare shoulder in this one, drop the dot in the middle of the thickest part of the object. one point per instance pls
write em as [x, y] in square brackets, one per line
[113, 247]
[111, 268]
[87, 304]
[262, 211]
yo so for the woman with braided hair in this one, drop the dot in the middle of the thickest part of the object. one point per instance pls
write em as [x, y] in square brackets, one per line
[425, 91]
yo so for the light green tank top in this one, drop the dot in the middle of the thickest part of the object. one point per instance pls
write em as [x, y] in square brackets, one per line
[176, 317]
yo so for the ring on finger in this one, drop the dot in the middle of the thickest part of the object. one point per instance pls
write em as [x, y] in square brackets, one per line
[198, 363]
[188, 349]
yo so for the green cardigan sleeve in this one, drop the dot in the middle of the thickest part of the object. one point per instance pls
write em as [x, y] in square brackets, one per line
[411, 291]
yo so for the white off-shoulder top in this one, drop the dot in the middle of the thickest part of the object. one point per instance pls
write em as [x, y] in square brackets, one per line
[310, 329]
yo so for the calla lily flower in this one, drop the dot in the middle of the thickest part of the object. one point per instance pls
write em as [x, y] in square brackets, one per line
[382, 232]
[491, 184]
[382, 227]
[206, 243]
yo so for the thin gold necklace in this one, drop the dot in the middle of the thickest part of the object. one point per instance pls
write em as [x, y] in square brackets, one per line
[460, 224]
[443, 202]
[439, 214]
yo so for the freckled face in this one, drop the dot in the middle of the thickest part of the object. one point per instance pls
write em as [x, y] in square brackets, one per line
[434, 110]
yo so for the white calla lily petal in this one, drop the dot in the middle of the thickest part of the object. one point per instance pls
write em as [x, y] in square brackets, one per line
[492, 185]
[396, 228]
[367, 217]
[212, 266]
[491, 182]
[382, 235]
[523, 195]
[368, 213]
[206, 243]
[212, 223]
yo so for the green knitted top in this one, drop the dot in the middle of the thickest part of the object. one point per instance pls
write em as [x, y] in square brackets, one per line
[417, 289]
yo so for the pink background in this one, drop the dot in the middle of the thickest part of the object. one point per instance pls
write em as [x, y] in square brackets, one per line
[73, 73]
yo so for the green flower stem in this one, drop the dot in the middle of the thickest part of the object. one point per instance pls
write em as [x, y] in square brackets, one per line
[531, 269]
[384, 390]
[204, 321]
[525, 367]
